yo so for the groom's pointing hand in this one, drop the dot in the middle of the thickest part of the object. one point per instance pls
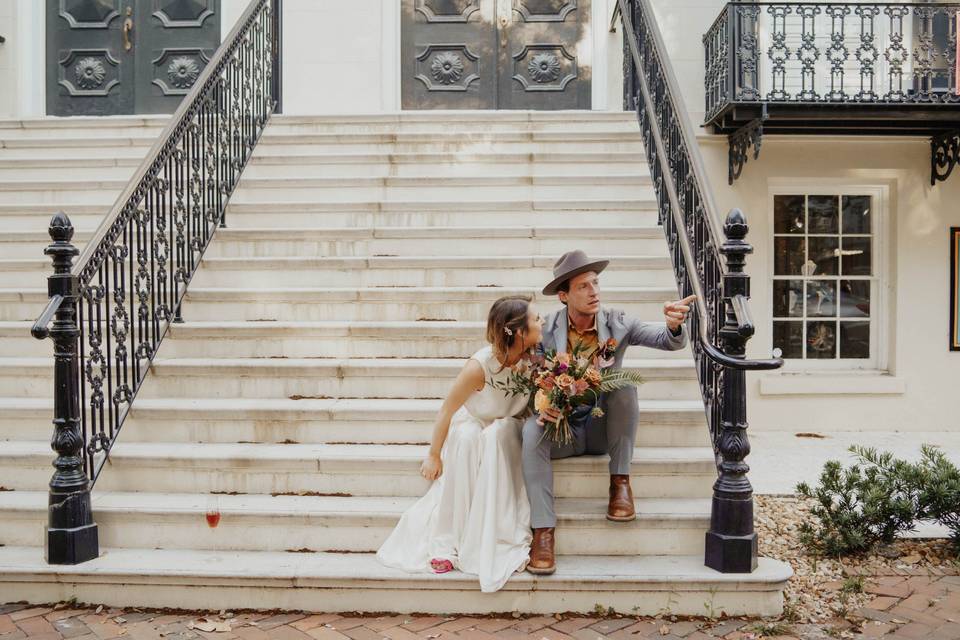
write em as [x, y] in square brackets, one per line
[675, 313]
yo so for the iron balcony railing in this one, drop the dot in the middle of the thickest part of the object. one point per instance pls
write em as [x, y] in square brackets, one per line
[707, 261]
[816, 53]
[111, 309]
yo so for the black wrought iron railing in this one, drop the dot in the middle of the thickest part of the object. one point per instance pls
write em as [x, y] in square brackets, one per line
[111, 309]
[806, 52]
[707, 261]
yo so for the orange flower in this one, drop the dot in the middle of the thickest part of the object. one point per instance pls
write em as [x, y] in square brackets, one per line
[546, 382]
[541, 401]
[564, 381]
[593, 377]
[580, 386]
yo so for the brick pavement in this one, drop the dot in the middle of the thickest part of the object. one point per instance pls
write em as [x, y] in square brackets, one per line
[902, 608]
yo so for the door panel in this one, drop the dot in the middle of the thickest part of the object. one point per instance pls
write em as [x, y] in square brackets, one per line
[449, 56]
[541, 69]
[87, 71]
[90, 71]
[494, 54]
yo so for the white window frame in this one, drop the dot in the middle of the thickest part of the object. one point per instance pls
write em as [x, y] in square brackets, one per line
[879, 290]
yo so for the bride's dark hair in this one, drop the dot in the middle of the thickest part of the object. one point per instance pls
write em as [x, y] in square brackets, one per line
[505, 322]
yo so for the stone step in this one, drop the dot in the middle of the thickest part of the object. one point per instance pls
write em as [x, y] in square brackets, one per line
[333, 582]
[330, 523]
[662, 423]
[332, 339]
[411, 241]
[429, 143]
[671, 378]
[349, 304]
[51, 125]
[32, 169]
[397, 271]
[141, 138]
[351, 469]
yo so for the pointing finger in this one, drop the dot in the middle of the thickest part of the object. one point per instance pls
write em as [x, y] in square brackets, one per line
[688, 299]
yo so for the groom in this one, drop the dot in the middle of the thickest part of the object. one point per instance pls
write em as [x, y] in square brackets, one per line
[584, 321]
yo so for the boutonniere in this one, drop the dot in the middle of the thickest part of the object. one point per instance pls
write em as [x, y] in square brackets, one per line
[605, 354]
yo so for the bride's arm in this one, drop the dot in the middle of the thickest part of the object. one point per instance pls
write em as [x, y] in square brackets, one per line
[471, 379]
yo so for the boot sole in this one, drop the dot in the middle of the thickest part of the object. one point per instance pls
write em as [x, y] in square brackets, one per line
[541, 572]
[621, 518]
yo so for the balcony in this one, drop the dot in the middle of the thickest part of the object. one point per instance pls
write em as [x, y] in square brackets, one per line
[848, 68]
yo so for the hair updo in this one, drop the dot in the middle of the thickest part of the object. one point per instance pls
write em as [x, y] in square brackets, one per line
[506, 322]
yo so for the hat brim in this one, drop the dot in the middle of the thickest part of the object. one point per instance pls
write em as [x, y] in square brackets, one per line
[553, 288]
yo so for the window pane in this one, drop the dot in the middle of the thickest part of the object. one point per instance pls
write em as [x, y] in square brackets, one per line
[788, 256]
[856, 214]
[854, 339]
[788, 298]
[854, 298]
[823, 214]
[788, 214]
[857, 257]
[788, 337]
[821, 340]
[821, 298]
[824, 253]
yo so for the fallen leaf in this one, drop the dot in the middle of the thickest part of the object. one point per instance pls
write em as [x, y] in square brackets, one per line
[664, 630]
[913, 558]
[898, 621]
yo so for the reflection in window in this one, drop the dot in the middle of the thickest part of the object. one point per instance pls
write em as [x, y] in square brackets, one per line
[823, 276]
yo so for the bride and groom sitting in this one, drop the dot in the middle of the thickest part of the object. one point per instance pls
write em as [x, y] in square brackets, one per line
[490, 508]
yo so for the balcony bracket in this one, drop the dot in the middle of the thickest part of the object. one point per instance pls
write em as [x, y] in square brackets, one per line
[749, 135]
[944, 155]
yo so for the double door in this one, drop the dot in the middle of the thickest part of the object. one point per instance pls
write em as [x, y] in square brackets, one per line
[107, 57]
[495, 54]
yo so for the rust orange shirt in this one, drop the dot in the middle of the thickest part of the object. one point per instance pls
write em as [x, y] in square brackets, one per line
[588, 338]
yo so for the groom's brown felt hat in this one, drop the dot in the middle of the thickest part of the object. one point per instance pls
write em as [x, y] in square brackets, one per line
[572, 264]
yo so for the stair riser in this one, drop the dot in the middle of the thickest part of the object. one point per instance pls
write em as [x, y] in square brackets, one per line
[204, 307]
[53, 172]
[518, 165]
[693, 480]
[466, 128]
[184, 384]
[275, 146]
[654, 430]
[425, 193]
[208, 307]
[655, 598]
[224, 247]
[211, 276]
[248, 216]
[40, 221]
[120, 529]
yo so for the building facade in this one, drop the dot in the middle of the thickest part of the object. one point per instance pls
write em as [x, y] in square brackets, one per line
[851, 263]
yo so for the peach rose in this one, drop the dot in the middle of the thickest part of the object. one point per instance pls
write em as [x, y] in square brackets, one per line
[593, 377]
[564, 381]
[541, 401]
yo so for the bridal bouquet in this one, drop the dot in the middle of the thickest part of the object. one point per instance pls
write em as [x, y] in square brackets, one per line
[565, 381]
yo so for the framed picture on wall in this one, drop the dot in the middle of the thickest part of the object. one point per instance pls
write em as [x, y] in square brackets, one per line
[954, 288]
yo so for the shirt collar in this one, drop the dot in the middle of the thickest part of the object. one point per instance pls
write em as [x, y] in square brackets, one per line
[572, 326]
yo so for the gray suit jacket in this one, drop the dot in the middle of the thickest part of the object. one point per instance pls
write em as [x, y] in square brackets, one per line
[613, 323]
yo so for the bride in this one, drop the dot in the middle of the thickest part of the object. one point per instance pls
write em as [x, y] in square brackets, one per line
[475, 517]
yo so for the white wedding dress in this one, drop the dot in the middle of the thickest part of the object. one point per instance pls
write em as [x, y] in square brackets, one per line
[476, 514]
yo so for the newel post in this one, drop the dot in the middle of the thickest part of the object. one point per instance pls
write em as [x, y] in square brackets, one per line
[71, 532]
[731, 544]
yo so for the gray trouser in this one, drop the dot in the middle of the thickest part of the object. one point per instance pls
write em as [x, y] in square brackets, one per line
[614, 433]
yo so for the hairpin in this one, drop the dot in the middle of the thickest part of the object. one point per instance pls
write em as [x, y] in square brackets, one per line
[508, 331]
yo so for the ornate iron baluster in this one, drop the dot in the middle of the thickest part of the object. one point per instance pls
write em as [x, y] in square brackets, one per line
[778, 53]
[896, 54]
[838, 53]
[747, 54]
[867, 53]
[808, 53]
[924, 55]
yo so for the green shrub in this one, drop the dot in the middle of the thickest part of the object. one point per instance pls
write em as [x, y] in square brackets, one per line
[938, 491]
[856, 508]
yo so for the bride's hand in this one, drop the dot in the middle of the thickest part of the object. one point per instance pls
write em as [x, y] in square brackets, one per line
[431, 468]
[548, 415]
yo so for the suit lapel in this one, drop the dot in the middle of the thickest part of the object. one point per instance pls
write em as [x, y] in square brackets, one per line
[560, 331]
[603, 331]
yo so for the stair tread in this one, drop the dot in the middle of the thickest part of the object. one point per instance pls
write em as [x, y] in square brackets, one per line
[387, 507]
[258, 454]
[331, 569]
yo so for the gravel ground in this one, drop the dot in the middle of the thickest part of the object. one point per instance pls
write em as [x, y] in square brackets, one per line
[826, 593]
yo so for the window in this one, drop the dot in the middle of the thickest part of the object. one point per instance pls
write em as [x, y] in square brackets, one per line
[825, 285]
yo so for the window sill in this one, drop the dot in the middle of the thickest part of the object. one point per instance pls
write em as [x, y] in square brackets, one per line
[830, 383]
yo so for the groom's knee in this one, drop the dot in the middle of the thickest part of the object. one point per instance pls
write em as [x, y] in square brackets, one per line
[532, 435]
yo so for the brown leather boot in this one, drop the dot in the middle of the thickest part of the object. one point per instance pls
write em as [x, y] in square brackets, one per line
[542, 560]
[620, 508]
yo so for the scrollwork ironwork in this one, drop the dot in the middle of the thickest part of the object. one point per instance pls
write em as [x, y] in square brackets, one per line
[945, 155]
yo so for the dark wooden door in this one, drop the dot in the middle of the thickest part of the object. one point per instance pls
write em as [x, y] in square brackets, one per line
[108, 57]
[494, 54]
